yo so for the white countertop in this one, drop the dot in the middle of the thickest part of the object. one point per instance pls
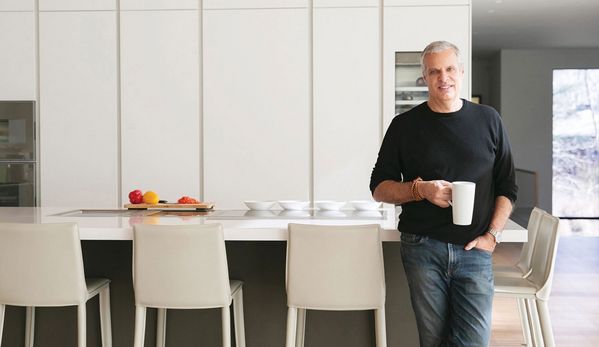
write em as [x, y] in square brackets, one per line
[98, 224]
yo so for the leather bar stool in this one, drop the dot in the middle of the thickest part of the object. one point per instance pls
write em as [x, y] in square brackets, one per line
[184, 267]
[41, 265]
[338, 268]
[535, 288]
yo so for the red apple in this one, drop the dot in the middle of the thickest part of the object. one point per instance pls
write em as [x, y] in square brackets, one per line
[136, 196]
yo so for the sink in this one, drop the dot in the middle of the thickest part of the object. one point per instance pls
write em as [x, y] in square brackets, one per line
[106, 213]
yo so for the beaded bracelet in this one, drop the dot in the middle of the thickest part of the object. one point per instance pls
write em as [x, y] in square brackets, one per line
[415, 193]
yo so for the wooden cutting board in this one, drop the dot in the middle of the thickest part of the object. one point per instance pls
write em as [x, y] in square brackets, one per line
[168, 206]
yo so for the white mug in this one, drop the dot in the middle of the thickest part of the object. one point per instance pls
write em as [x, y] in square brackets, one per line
[462, 203]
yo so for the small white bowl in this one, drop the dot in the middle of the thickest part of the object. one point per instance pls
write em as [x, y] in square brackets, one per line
[293, 205]
[328, 205]
[365, 205]
[259, 205]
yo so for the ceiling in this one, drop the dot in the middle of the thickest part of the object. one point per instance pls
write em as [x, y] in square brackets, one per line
[501, 24]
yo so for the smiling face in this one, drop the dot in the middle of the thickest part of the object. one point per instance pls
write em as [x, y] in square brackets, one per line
[443, 74]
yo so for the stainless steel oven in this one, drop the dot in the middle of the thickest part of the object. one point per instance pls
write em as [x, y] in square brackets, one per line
[18, 157]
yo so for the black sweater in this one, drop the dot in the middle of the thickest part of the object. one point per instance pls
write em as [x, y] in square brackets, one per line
[468, 145]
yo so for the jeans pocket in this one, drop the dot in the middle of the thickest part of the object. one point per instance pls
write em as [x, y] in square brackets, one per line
[484, 251]
[412, 239]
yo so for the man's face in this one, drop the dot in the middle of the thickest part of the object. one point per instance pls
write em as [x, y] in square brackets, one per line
[443, 76]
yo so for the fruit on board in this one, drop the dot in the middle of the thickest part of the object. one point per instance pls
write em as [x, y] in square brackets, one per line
[187, 200]
[150, 197]
[136, 197]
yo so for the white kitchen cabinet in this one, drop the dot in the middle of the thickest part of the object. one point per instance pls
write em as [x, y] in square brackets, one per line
[17, 56]
[347, 91]
[253, 4]
[160, 98]
[345, 3]
[410, 29]
[256, 106]
[426, 2]
[77, 5]
[159, 4]
[78, 109]
[17, 5]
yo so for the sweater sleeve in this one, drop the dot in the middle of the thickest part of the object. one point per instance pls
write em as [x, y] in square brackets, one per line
[504, 174]
[388, 166]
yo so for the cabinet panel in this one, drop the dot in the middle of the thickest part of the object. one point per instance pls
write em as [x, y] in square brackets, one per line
[247, 4]
[400, 35]
[347, 93]
[160, 103]
[17, 56]
[426, 2]
[17, 5]
[79, 5]
[346, 3]
[159, 4]
[256, 110]
[78, 109]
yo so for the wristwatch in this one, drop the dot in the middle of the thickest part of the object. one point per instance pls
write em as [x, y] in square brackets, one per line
[497, 234]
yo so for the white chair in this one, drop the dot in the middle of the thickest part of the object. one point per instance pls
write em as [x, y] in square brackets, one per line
[335, 268]
[522, 267]
[42, 265]
[535, 288]
[184, 267]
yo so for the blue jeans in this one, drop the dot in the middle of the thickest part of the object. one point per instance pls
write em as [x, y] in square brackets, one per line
[451, 291]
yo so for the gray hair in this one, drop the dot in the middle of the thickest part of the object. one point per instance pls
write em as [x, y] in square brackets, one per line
[439, 46]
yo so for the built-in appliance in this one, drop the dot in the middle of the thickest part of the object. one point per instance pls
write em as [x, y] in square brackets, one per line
[18, 159]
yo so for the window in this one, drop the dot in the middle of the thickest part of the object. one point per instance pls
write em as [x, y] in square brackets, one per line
[576, 143]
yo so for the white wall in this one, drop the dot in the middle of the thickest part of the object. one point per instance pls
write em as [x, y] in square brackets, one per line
[526, 105]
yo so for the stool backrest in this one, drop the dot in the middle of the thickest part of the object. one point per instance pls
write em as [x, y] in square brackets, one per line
[41, 265]
[544, 254]
[180, 266]
[534, 222]
[335, 267]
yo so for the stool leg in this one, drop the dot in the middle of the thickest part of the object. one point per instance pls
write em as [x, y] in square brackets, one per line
[29, 326]
[226, 322]
[545, 323]
[524, 321]
[291, 326]
[2, 310]
[140, 326]
[535, 325]
[380, 324]
[300, 333]
[161, 327]
[105, 321]
[238, 318]
[81, 325]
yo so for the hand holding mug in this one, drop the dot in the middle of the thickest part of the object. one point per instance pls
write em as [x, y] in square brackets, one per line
[437, 192]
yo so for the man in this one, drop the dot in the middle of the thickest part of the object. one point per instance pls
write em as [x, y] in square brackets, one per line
[446, 139]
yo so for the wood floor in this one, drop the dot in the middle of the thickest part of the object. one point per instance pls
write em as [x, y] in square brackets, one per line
[574, 301]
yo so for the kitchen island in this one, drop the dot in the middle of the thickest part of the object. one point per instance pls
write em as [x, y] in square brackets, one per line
[256, 255]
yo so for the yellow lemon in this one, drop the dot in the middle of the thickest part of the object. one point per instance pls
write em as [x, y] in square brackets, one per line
[150, 197]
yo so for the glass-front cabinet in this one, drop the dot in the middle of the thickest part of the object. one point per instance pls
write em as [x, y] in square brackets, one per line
[410, 88]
